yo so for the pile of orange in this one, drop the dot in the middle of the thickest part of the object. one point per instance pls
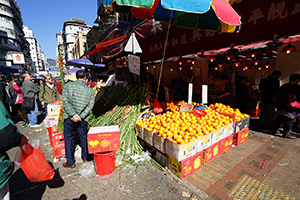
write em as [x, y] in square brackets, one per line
[182, 127]
[227, 109]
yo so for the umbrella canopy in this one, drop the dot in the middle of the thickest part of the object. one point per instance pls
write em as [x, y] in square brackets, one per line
[208, 14]
[83, 63]
[73, 70]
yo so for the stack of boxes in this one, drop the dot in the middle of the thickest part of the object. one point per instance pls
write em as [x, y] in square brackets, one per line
[56, 137]
[185, 159]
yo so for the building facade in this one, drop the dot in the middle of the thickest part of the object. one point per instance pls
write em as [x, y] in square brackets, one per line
[12, 41]
[70, 32]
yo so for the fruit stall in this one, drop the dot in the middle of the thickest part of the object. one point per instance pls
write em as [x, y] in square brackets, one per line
[190, 135]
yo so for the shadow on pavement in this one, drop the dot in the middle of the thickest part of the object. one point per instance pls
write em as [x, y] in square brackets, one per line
[82, 197]
[22, 188]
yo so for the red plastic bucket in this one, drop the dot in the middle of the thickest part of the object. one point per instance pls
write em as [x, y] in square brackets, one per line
[105, 162]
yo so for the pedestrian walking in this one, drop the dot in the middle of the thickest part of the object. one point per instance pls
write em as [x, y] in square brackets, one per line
[78, 100]
[287, 113]
[48, 93]
[18, 100]
[227, 97]
[268, 87]
[9, 138]
[30, 91]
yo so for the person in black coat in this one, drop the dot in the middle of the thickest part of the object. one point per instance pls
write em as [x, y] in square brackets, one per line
[3, 94]
[268, 87]
[241, 91]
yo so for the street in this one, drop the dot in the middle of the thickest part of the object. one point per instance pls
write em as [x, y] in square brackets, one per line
[214, 181]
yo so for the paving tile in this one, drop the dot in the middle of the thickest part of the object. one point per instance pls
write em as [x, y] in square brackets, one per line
[212, 189]
[289, 188]
[272, 149]
[279, 144]
[204, 186]
[218, 183]
[250, 174]
[242, 172]
[259, 177]
[216, 197]
[224, 190]
[229, 184]
[251, 169]
[265, 156]
[269, 180]
[269, 153]
[255, 164]
[236, 178]
[222, 195]
[278, 184]
[226, 177]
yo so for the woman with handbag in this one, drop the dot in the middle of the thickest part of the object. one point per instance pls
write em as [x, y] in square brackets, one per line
[30, 95]
[18, 100]
[286, 112]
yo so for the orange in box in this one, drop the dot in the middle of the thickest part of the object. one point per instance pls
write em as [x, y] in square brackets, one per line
[187, 166]
[240, 137]
[226, 144]
[103, 139]
[211, 152]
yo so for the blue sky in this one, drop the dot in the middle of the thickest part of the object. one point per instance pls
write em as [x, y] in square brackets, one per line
[46, 18]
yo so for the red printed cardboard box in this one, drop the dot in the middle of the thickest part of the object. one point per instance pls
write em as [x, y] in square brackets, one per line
[103, 139]
[59, 149]
[211, 152]
[240, 137]
[226, 144]
[55, 136]
[187, 166]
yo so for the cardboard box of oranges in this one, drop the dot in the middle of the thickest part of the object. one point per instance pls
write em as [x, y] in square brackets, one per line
[148, 136]
[211, 152]
[159, 143]
[140, 131]
[226, 144]
[217, 135]
[187, 166]
[204, 141]
[180, 151]
[240, 137]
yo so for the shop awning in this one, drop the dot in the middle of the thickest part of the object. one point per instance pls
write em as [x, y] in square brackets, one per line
[100, 47]
[7, 69]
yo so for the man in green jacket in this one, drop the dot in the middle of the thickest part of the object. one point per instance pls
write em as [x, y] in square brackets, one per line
[78, 100]
[48, 93]
[9, 138]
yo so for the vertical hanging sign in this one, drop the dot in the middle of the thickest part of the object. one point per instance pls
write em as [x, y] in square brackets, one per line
[190, 93]
[134, 64]
[204, 94]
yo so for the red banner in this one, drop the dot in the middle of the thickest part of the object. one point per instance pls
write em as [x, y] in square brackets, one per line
[260, 21]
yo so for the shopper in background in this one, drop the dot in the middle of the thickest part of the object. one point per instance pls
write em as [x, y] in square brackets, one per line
[242, 92]
[48, 93]
[78, 100]
[4, 96]
[31, 90]
[18, 100]
[9, 138]
[227, 97]
[268, 87]
[57, 83]
[287, 113]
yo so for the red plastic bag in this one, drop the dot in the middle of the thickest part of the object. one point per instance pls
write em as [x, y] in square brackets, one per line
[34, 164]
[157, 108]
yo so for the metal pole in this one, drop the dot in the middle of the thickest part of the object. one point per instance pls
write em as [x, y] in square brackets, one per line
[163, 58]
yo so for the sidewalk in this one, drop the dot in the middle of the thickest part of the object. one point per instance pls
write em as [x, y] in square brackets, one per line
[281, 170]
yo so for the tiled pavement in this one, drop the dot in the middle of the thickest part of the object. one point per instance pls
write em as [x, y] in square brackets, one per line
[281, 170]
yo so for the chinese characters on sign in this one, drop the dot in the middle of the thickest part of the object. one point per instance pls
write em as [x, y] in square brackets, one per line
[274, 11]
[134, 64]
[18, 58]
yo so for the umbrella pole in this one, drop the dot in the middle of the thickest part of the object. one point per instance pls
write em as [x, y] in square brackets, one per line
[164, 53]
